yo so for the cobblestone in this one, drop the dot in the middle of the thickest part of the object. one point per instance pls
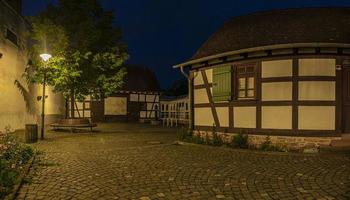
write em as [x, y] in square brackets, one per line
[139, 162]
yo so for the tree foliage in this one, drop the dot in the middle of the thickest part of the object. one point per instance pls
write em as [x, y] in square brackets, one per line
[87, 51]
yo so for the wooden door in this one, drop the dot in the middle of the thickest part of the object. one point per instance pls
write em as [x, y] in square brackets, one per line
[97, 111]
[346, 99]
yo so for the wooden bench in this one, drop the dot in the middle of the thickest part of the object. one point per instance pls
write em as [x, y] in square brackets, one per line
[73, 124]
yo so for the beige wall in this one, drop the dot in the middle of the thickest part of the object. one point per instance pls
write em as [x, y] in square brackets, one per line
[55, 103]
[134, 97]
[244, 117]
[276, 68]
[316, 117]
[276, 117]
[277, 91]
[317, 67]
[13, 110]
[317, 90]
[198, 78]
[223, 116]
[203, 117]
[200, 96]
[116, 106]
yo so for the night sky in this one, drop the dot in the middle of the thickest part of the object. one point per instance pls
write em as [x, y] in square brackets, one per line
[161, 33]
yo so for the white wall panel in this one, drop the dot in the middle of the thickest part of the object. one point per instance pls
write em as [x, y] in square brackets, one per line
[317, 67]
[276, 68]
[276, 117]
[316, 117]
[244, 117]
[277, 91]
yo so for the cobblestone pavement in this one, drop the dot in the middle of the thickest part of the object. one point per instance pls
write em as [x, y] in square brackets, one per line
[128, 162]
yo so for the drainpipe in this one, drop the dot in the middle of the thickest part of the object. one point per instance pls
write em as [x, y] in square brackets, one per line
[190, 96]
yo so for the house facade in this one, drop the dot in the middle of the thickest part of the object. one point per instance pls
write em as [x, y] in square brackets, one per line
[138, 100]
[283, 74]
[18, 104]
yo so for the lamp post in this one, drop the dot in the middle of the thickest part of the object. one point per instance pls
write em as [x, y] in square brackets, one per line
[45, 58]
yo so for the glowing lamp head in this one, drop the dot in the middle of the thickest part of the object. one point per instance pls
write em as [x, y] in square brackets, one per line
[45, 56]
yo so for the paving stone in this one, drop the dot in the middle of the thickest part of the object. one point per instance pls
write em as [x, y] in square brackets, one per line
[120, 162]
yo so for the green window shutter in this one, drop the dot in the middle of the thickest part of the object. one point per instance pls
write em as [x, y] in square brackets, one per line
[222, 83]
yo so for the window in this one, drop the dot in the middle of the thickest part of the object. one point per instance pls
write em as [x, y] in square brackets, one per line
[11, 36]
[245, 84]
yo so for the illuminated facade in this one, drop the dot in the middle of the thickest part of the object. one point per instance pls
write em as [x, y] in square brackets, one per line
[283, 73]
[18, 104]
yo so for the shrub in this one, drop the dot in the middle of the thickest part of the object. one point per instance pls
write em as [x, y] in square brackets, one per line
[8, 178]
[240, 141]
[183, 134]
[13, 155]
[268, 146]
[216, 140]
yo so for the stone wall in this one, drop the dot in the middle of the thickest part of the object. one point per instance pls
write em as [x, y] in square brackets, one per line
[287, 142]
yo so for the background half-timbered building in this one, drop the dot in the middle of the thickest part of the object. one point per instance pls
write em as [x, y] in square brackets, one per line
[138, 100]
[283, 73]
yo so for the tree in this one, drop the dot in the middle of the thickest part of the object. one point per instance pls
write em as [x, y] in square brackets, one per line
[178, 88]
[87, 52]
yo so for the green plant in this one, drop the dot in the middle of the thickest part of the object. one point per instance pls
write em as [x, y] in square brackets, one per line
[8, 178]
[268, 146]
[183, 134]
[216, 140]
[240, 141]
[13, 155]
[197, 139]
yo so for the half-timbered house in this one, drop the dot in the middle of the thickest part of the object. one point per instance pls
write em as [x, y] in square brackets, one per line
[283, 73]
[138, 100]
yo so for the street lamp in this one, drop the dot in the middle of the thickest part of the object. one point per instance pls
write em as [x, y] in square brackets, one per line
[45, 58]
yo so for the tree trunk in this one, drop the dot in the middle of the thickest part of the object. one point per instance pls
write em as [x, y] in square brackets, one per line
[67, 107]
[72, 103]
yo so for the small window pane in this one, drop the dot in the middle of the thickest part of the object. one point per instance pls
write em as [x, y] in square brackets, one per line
[251, 83]
[241, 70]
[241, 83]
[250, 93]
[241, 94]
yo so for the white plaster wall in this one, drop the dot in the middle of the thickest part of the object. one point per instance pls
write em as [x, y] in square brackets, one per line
[152, 98]
[316, 117]
[116, 106]
[13, 111]
[317, 90]
[203, 117]
[134, 97]
[200, 96]
[317, 67]
[55, 103]
[197, 78]
[244, 117]
[276, 68]
[277, 91]
[209, 73]
[222, 113]
[276, 117]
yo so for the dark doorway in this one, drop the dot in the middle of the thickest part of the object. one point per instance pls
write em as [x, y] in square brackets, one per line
[97, 111]
[133, 111]
[346, 99]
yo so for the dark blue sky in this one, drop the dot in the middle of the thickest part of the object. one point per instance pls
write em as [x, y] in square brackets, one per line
[161, 33]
